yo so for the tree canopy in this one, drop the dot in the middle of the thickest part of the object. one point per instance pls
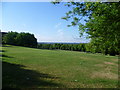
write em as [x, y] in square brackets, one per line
[21, 39]
[102, 23]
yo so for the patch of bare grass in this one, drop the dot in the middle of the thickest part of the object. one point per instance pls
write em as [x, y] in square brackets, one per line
[110, 63]
[104, 75]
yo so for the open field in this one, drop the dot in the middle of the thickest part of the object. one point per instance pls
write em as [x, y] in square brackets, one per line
[35, 68]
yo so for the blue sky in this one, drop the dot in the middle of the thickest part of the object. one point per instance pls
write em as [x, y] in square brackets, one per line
[42, 19]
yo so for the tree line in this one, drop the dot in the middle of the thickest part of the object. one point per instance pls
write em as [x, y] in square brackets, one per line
[82, 47]
[20, 39]
[59, 46]
[29, 40]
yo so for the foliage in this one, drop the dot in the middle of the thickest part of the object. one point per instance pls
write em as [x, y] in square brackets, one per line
[3, 34]
[26, 39]
[102, 23]
[72, 47]
[10, 38]
[20, 39]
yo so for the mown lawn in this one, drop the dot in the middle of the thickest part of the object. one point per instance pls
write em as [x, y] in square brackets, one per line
[35, 68]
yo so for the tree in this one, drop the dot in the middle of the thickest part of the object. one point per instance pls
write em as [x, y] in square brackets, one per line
[20, 39]
[62, 47]
[3, 34]
[102, 23]
[26, 39]
[10, 38]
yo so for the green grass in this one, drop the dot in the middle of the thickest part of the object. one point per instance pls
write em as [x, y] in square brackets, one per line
[35, 68]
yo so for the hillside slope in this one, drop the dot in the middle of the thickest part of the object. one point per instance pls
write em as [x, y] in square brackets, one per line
[35, 68]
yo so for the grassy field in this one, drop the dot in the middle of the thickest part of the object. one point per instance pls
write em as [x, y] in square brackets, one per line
[35, 68]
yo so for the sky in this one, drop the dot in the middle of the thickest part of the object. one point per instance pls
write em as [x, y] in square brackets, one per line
[43, 19]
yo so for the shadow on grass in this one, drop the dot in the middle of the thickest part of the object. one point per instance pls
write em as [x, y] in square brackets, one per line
[15, 76]
[3, 55]
[2, 50]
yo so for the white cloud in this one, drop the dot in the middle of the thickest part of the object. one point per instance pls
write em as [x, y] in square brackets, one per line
[58, 25]
[60, 34]
[60, 31]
